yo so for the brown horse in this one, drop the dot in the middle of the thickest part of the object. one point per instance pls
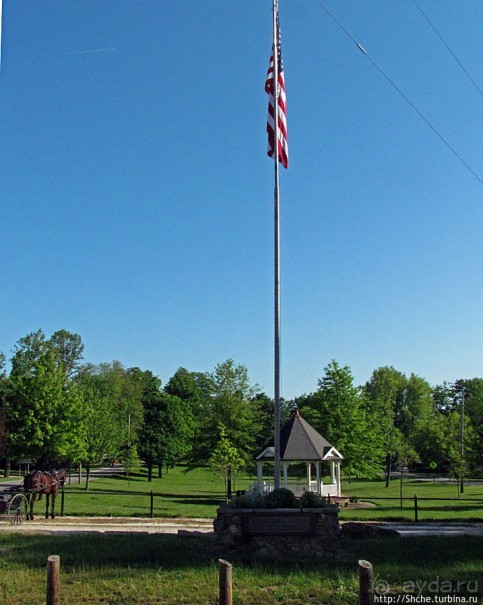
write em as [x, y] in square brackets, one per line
[38, 483]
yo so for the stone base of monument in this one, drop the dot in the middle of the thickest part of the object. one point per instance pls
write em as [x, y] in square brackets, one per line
[280, 533]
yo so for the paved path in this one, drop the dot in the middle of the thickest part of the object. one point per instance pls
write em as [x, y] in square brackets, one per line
[76, 525]
[407, 530]
[71, 525]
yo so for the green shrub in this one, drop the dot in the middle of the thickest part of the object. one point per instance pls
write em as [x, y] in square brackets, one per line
[281, 498]
[250, 500]
[312, 500]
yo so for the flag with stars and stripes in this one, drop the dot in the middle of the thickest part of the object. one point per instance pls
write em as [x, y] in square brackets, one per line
[282, 106]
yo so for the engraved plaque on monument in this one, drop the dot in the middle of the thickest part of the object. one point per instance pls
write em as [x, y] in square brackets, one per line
[280, 525]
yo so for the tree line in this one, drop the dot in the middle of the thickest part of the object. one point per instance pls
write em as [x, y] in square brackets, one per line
[55, 408]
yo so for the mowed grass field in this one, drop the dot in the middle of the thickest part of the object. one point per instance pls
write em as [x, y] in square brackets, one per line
[158, 569]
[155, 569]
[198, 493]
[446, 506]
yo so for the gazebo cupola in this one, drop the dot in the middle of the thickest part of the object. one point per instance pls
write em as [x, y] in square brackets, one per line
[301, 443]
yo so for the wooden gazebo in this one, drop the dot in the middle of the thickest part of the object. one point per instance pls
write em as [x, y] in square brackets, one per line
[301, 443]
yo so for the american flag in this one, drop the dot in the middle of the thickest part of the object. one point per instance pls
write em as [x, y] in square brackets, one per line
[282, 105]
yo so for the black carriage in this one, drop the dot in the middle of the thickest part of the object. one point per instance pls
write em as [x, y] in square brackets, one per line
[13, 504]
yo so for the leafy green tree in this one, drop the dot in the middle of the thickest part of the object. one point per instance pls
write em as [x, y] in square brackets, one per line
[383, 395]
[266, 410]
[178, 432]
[232, 404]
[472, 391]
[338, 412]
[130, 458]
[414, 410]
[149, 435]
[104, 435]
[193, 387]
[112, 408]
[454, 457]
[43, 406]
[165, 434]
[405, 455]
[444, 397]
[449, 399]
[126, 388]
[226, 461]
[69, 348]
[3, 418]
[27, 351]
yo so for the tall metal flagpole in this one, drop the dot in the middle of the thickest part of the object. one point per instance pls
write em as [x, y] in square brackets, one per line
[276, 200]
[0, 35]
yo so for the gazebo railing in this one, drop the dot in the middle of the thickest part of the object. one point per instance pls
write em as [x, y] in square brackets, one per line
[299, 487]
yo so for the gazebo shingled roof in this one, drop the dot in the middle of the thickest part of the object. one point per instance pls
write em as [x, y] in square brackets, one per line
[299, 441]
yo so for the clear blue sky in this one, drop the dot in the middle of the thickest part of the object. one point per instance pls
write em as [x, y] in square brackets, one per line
[136, 196]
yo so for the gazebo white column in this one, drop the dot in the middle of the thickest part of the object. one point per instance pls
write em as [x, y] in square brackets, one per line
[332, 472]
[285, 474]
[309, 474]
[260, 476]
[317, 471]
[338, 479]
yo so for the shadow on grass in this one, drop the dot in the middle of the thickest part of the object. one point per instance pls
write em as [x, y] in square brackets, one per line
[393, 559]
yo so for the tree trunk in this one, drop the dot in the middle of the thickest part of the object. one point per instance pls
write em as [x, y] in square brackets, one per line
[388, 470]
[401, 488]
[150, 471]
[228, 484]
[7, 469]
[160, 469]
[88, 475]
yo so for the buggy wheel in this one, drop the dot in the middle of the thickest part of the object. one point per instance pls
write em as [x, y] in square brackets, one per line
[17, 509]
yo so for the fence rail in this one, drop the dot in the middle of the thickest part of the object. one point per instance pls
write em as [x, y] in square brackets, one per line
[151, 496]
[416, 500]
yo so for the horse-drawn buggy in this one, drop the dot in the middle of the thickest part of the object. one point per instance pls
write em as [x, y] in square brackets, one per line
[17, 502]
[14, 504]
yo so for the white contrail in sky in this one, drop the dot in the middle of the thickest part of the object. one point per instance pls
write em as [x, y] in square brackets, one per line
[85, 52]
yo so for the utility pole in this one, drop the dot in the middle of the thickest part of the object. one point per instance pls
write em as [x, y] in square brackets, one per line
[462, 440]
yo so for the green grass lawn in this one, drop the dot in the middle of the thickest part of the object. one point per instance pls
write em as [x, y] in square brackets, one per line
[198, 493]
[129, 569]
[170, 570]
[448, 508]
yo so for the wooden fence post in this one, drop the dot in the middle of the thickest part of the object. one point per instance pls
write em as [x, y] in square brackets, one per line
[225, 582]
[53, 580]
[151, 512]
[415, 509]
[366, 583]
[62, 502]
